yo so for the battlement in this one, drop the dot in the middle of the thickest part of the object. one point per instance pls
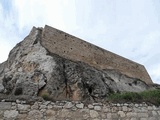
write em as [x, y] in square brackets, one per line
[70, 47]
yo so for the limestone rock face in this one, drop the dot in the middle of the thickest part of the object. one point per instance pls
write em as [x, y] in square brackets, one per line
[31, 71]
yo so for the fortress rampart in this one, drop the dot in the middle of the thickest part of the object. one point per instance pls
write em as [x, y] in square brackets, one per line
[70, 47]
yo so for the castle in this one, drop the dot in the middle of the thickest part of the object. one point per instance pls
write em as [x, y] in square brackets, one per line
[73, 48]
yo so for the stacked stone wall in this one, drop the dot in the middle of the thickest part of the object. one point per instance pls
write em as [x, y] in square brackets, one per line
[69, 110]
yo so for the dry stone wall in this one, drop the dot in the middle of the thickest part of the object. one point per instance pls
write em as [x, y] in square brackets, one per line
[76, 49]
[69, 110]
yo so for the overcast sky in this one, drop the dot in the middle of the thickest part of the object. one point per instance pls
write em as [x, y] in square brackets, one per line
[130, 28]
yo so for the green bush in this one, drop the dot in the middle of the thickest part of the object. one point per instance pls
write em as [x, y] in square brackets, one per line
[150, 96]
[45, 95]
[127, 96]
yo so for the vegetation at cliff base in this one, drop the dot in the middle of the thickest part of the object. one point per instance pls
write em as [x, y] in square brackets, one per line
[149, 96]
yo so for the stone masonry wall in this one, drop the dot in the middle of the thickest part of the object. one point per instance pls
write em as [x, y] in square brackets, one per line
[65, 110]
[76, 49]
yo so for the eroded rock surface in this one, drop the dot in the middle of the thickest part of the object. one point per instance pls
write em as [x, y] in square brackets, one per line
[33, 72]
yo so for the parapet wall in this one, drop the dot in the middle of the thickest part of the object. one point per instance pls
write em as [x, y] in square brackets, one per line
[76, 49]
[63, 110]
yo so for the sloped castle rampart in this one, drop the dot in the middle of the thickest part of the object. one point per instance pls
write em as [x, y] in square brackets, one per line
[73, 48]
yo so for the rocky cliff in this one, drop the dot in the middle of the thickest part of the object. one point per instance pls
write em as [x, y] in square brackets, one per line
[34, 71]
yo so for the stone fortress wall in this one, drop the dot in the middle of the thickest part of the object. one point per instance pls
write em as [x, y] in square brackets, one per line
[63, 110]
[76, 49]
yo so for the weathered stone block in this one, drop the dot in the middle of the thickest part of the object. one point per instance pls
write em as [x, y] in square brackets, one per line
[154, 113]
[35, 115]
[131, 114]
[94, 114]
[80, 105]
[10, 114]
[142, 115]
[109, 115]
[22, 107]
[98, 108]
[121, 114]
[5, 105]
[68, 105]
[125, 108]
[64, 113]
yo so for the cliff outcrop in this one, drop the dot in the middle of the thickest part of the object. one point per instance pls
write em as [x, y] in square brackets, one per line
[53, 65]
